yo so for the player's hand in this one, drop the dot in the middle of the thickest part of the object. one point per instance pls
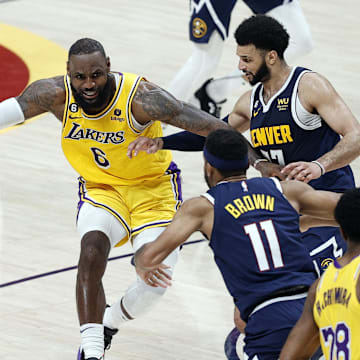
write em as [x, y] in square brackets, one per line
[301, 171]
[269, 169]
[143, 143]
[157, 277]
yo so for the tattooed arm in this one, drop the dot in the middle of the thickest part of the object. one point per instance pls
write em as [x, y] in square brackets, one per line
[42, 96]
[154, 103]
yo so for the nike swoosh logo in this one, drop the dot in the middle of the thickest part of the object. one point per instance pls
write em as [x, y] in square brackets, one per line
[89, 327]
[255, 113]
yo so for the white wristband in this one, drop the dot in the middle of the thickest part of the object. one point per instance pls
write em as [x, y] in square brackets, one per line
[258, 161]
[321, 166]
[10, 113]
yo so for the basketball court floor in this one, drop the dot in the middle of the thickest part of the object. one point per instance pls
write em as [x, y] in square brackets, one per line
[38, 189]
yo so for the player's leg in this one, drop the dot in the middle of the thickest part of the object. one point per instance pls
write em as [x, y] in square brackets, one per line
[99, 231]
[208, 29]
[90, 295]
[152, 205]
[233, 346]
[139, 297]
[267, 328]
[200, 66]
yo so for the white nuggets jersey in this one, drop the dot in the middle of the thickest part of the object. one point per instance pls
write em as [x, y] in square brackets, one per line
[337, 311]
[96, 145]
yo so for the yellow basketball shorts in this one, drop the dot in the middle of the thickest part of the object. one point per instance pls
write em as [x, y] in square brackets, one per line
[152, 203]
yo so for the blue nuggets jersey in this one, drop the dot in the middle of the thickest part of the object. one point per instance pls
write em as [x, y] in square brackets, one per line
[256, 241]
[208, 16]
[282, 137]
[264, 6]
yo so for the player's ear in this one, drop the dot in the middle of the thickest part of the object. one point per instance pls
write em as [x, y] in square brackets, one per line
[68, 68]
[343, 234]
[207, 169]
[271, 57]
[108, 64]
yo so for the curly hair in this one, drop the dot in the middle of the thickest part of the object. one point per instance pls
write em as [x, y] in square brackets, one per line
[264, 32]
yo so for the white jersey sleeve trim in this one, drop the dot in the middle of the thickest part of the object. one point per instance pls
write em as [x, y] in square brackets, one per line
[139, 127]
[209, 198]
[277, 184]
[252, 99]
[357, 272]
[303, 118]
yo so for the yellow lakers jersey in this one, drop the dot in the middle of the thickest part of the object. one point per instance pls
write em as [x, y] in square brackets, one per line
[96, 145]
[337, 311]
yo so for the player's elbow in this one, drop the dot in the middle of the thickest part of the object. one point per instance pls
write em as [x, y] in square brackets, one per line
[351, 138]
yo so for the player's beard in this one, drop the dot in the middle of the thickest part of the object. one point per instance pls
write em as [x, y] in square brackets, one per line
[97, 104]
[261, 75]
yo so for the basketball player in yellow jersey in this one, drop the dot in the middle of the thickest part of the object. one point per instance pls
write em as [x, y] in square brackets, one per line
[331, 313]
[120, 198]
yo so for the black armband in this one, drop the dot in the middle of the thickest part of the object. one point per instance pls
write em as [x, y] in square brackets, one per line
[186, 141]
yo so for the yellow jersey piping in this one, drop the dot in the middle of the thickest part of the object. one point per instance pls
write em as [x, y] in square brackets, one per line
[128, 106]
[67, 100]
[82, 192]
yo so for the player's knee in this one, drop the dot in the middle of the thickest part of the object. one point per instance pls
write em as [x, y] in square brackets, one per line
[93, 255]
[153, 293]
[151, 234]
[141, 298]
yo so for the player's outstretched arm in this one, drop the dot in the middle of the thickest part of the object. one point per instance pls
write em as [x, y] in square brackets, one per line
[194, 214]
[154, 103]
[308, 201]
[39, 97]
[303, 339]
[46, 95]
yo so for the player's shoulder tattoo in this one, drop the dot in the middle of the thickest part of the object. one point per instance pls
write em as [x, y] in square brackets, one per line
[42, 95]
[151, 102]
[155, 102]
